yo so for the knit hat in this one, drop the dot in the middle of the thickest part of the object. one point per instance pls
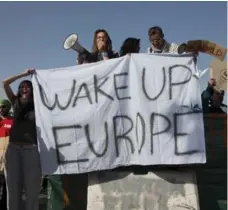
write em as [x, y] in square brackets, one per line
[5, 102]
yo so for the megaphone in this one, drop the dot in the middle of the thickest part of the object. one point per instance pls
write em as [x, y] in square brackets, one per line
[71, 42]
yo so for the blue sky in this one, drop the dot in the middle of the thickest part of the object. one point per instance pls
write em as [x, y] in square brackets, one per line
[32, 33]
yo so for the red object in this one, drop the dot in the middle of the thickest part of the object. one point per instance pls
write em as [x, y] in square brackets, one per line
[5, 126]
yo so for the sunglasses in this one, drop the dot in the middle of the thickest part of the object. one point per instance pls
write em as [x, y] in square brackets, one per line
[3, 106]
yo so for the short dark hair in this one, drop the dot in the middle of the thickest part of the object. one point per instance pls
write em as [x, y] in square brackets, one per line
[153, 29]
[130, 45]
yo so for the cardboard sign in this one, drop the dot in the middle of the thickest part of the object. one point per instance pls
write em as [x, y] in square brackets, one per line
[218, 70]
[207, 47]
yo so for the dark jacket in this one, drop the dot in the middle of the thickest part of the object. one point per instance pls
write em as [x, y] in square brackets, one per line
[96, 56]
[206, 97]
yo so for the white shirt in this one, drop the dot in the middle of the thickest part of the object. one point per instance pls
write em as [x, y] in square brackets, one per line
[168, 48]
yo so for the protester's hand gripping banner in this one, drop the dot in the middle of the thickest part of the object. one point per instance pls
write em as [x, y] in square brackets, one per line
[134, 110]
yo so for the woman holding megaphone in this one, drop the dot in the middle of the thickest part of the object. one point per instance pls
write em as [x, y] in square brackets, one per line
[101, 49]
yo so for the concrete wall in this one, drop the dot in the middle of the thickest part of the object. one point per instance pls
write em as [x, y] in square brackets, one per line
[157, 190]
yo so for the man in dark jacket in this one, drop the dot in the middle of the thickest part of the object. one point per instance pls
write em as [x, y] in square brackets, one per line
[212, 99]
[207, 95]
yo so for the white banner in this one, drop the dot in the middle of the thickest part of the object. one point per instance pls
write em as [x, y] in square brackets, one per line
[135, 110]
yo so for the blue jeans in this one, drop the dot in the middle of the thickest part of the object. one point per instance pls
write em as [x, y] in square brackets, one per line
[22, 171]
